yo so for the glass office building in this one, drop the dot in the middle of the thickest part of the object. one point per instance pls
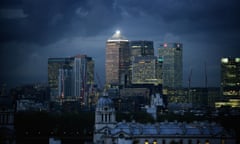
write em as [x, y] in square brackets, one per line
[146, 70]
[230, 82]
[117, 59]
[171, 54]
[141, 48]
[69, 78]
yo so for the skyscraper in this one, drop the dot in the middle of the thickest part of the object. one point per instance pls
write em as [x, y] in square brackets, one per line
[56, 68]
[171, 54]
[117, 59]
[141, 48]
[230, 77]
[69, 78]
[82, 72]
[65, 82]
[146, 70]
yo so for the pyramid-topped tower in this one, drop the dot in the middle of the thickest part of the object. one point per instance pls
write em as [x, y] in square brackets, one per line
[117, 59]
[117, 36]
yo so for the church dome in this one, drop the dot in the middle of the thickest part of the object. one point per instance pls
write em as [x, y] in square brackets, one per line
[104, 102]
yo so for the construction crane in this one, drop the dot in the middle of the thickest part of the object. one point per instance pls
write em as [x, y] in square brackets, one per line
[99, 81]
[190, 79]
[189, 85]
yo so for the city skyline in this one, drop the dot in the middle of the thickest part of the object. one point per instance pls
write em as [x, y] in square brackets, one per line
[33, 31]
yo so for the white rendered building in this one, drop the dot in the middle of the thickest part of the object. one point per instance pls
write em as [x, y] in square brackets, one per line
[108, 131]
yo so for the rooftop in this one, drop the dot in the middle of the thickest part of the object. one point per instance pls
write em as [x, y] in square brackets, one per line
[117, 37]
[168, 128]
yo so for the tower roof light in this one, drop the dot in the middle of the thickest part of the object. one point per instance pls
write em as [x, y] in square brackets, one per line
[118, 32]
[117, 37]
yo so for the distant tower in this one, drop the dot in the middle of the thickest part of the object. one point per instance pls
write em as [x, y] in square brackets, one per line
[117, 59]
[105, 118]
[70, 77]
[171, 53]
[65, 82]
[230, 77]
[56, 67]
[146, 70]
[142, 48]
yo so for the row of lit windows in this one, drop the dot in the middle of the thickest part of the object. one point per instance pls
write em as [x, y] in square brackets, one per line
[231, 93]
[229, 60]
[177, 142]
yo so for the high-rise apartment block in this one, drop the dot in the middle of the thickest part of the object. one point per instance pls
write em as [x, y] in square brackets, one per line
[117, 59]
[69, 78]
[171, 54]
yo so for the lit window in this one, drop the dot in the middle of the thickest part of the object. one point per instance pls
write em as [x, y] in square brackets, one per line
[224, 60]
[222, 141]
[165, 45]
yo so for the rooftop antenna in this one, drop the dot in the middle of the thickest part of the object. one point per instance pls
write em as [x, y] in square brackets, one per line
[206, 79]
[189, 86]
[190, 79]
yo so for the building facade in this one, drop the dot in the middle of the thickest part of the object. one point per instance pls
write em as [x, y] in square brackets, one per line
[171, 54]
[117, 59]
[70, 78]
[230, 82]
[105, 118]
[7, 128]
[141, 48]
[56, 68]
[108, 131]
[146, 70]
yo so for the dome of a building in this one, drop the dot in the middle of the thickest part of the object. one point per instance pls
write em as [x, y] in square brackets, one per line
[104, 102]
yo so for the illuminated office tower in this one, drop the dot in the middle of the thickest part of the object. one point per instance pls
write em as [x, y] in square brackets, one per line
[230, 80]
[117, 59]
[171, 53]
[141, 48]
[146, 70]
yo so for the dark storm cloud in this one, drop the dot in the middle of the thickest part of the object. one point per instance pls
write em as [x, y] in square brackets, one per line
[47, 21]
[188, 16]
[208, 30]
[33, 30]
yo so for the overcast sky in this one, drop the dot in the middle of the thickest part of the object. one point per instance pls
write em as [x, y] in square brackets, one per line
[31, 31]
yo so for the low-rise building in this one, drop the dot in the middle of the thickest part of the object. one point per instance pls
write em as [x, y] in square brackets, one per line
[109, 131]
